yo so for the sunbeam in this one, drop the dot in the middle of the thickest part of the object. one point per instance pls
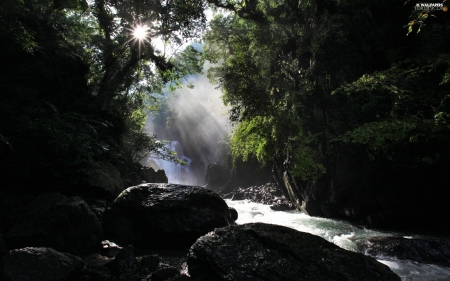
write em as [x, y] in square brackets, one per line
[140, 32]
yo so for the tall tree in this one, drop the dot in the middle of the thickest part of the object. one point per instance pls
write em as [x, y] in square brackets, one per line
[76, 79]
[325, 88]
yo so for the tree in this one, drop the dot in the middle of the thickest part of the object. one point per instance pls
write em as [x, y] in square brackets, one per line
[76, 84]
[288, 74]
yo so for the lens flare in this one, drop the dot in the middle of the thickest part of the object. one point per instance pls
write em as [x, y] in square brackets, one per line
[140, 32]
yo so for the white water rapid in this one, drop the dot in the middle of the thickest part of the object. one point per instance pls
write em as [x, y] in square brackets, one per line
[341, 233]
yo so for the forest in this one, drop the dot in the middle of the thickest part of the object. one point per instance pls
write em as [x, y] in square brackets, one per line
[339, 97]
[341, 106]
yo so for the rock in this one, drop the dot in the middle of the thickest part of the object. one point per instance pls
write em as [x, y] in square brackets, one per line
[109, 249]
[165, 272]
[164, 215]
[265, 194]
[149, 175]
[96, 269]
[260, 251]
[417, 250]
[181, 277]
[98, 209]
[35, 264]
[151, 262]
[53, 220]
[282, 205]
[107, 178]
[238, 196]
[12, 206]
[233, 213]
[125, 263]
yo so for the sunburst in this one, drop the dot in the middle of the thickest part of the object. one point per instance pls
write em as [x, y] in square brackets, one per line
[140, 32]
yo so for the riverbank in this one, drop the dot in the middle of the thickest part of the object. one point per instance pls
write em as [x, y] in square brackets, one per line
[344, 234]
[164, 232]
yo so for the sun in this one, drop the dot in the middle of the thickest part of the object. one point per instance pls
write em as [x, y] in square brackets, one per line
[140, 32]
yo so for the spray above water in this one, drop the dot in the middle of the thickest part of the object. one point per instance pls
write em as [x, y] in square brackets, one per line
[176, 173]
[195, 121]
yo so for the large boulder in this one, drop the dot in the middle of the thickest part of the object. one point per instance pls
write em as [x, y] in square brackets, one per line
[417, 250]
[107, 178]
[260, 251]
[53, 220]
[164, 215]
[42, 264]
[12, 206]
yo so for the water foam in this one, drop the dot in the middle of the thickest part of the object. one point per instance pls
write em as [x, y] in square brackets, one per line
[341, 233]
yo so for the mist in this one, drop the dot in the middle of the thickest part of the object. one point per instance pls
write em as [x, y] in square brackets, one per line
[195, 122]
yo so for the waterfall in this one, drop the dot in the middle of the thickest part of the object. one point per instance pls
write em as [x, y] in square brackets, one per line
[176, 173]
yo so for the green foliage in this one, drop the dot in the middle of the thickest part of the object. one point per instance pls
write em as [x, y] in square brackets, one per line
[76, 85]
[308, 81]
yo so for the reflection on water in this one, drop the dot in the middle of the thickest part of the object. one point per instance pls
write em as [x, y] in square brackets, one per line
[341, 233]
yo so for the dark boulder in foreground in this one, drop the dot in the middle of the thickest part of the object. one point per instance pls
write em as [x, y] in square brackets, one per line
[418, 250]
[164, 215]
[53, 220]
[260, 251]
[36, 264]
[124, 263]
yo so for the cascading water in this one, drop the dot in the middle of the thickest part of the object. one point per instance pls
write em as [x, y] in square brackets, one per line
[176, 173]
[341, 233]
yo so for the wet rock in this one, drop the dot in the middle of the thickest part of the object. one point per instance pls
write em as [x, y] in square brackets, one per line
[282, 205]
[233, 213]
[96, 269]
[181, 277]
[238, 196]
[125, 263]
[151, 175]
[107, 178]
[109, 249]
[260, 251]
[53, 220]
[165, 215]
[150, 262]
[35, 264]
[165, 272]
[418, 250]
[12, 206]
[98, 209]
[264, 194]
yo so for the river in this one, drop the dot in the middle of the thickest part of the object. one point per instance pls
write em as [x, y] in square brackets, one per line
[341, 233]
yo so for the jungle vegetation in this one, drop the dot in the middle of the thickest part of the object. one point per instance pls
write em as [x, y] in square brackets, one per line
[76, 84]
[309, 81]
[306, 80]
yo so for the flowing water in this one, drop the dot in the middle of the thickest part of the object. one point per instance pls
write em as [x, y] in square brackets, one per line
[341, 233]
[176, 173]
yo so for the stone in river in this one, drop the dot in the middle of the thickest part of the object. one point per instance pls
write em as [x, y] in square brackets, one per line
[164, 215]
[260, 251]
